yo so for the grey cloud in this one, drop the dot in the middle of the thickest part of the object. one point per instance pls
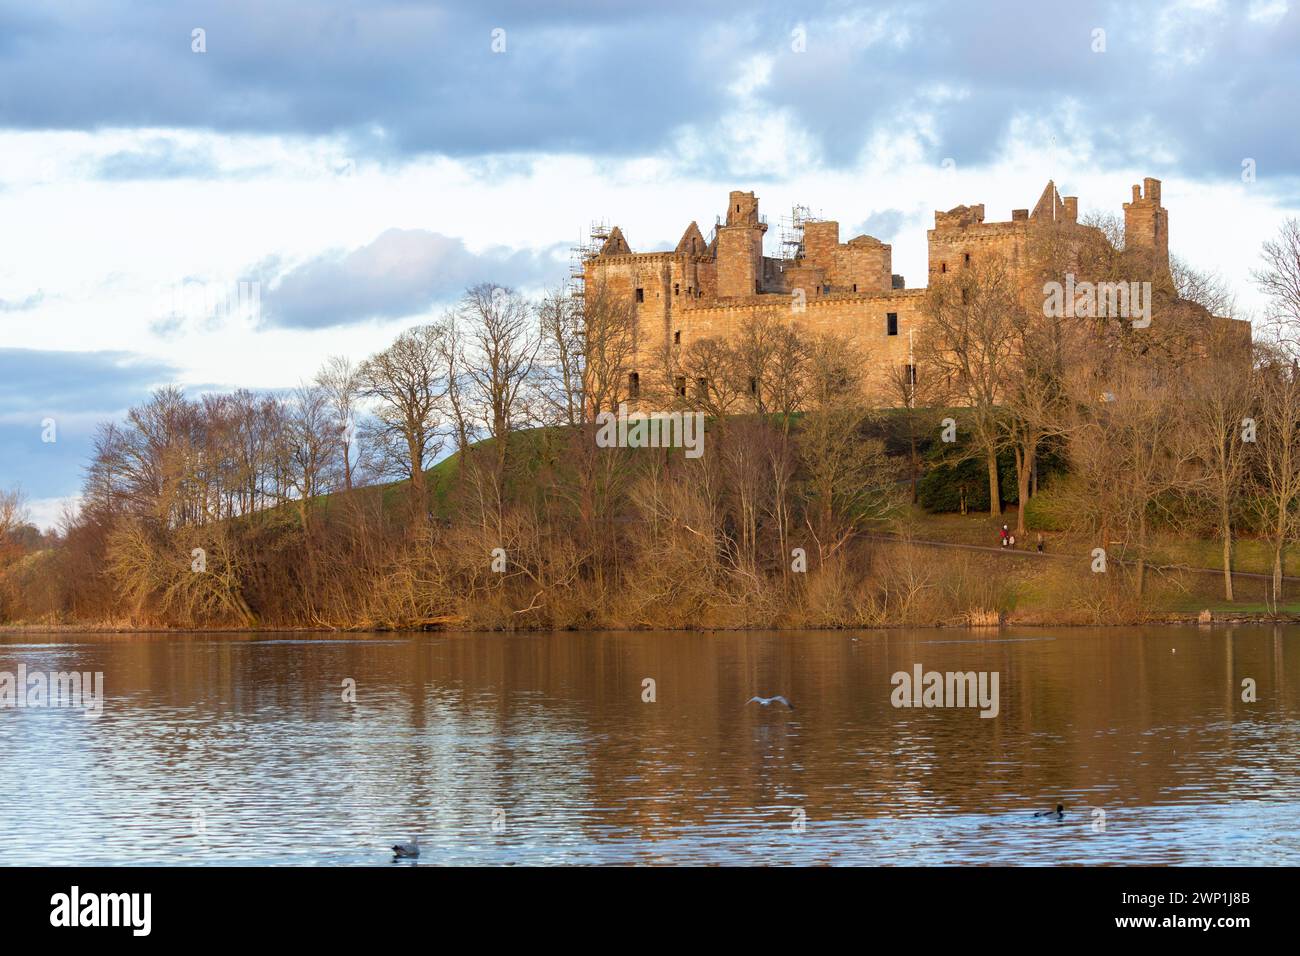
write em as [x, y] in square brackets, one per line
[622, 79]
[971, 70]
[37, 379]
[75, 389]
[393, 75]
[403, 272]
[882, 224]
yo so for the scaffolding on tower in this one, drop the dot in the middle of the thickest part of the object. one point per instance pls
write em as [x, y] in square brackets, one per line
[791, 231]
[585, 249]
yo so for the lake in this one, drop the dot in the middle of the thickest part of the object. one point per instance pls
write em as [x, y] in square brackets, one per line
[640, 748]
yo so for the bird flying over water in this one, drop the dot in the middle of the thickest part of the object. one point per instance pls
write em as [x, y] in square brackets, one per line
[407, 850]
[1057, 814]
[770, 700]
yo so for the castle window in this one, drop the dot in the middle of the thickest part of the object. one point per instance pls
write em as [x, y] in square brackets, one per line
[702, 388]
[676, 288]
[640, 295]
[967, 259]
[753, 385]
[633, 384]
[855, 287]
[891, 323]
[826, 289]
[680, 385]
[943, 267]
[677, 337]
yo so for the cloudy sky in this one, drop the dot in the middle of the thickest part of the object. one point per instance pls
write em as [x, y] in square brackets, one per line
[319, 175]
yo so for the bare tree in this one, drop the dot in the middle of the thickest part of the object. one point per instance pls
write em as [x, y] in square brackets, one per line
[848, 481]
[13, 513]
[342, 384]
[503, 344]
[969, 340]
[146, 467]
[709, 380]
[1277, 455]
[1218, 414]
[407, 383]
[778, 358]
[1209, 290]
[312, 439]
[609, 348]
[594, 372]
[562, 363]
[1279, 279]
[1131, 456]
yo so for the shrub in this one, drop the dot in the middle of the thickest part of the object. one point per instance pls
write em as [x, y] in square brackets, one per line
[1046, 512]
[943, 484]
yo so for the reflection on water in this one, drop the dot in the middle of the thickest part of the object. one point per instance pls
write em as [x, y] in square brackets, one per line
[240, 749]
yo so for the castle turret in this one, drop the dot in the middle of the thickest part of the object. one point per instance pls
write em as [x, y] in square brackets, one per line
[740, 247]
[1146, 222]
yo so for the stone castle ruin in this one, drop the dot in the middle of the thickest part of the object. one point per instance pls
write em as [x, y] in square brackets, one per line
[706, 288]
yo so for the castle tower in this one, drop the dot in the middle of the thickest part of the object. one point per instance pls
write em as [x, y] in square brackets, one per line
[1146, 222]
[740, 247]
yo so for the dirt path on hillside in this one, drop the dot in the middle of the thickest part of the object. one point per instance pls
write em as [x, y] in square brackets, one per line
[1061, 556]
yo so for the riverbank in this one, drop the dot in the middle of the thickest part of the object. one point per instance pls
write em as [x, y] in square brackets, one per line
[915, 570]
[1176, 619]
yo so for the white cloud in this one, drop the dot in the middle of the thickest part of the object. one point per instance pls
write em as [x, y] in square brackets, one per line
[48, 513]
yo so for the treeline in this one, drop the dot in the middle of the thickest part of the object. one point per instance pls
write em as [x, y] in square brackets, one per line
[324, 507]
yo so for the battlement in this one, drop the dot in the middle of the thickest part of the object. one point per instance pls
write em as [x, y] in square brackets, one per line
[961, 235]
[959, 217]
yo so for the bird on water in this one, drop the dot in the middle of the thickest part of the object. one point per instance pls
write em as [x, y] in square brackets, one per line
[407, 851]
[765, 701]
[1057, 814]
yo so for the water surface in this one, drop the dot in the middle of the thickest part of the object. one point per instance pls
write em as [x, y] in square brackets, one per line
[540, 749]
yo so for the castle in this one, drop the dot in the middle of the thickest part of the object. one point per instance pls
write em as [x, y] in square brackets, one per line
[707, 288]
